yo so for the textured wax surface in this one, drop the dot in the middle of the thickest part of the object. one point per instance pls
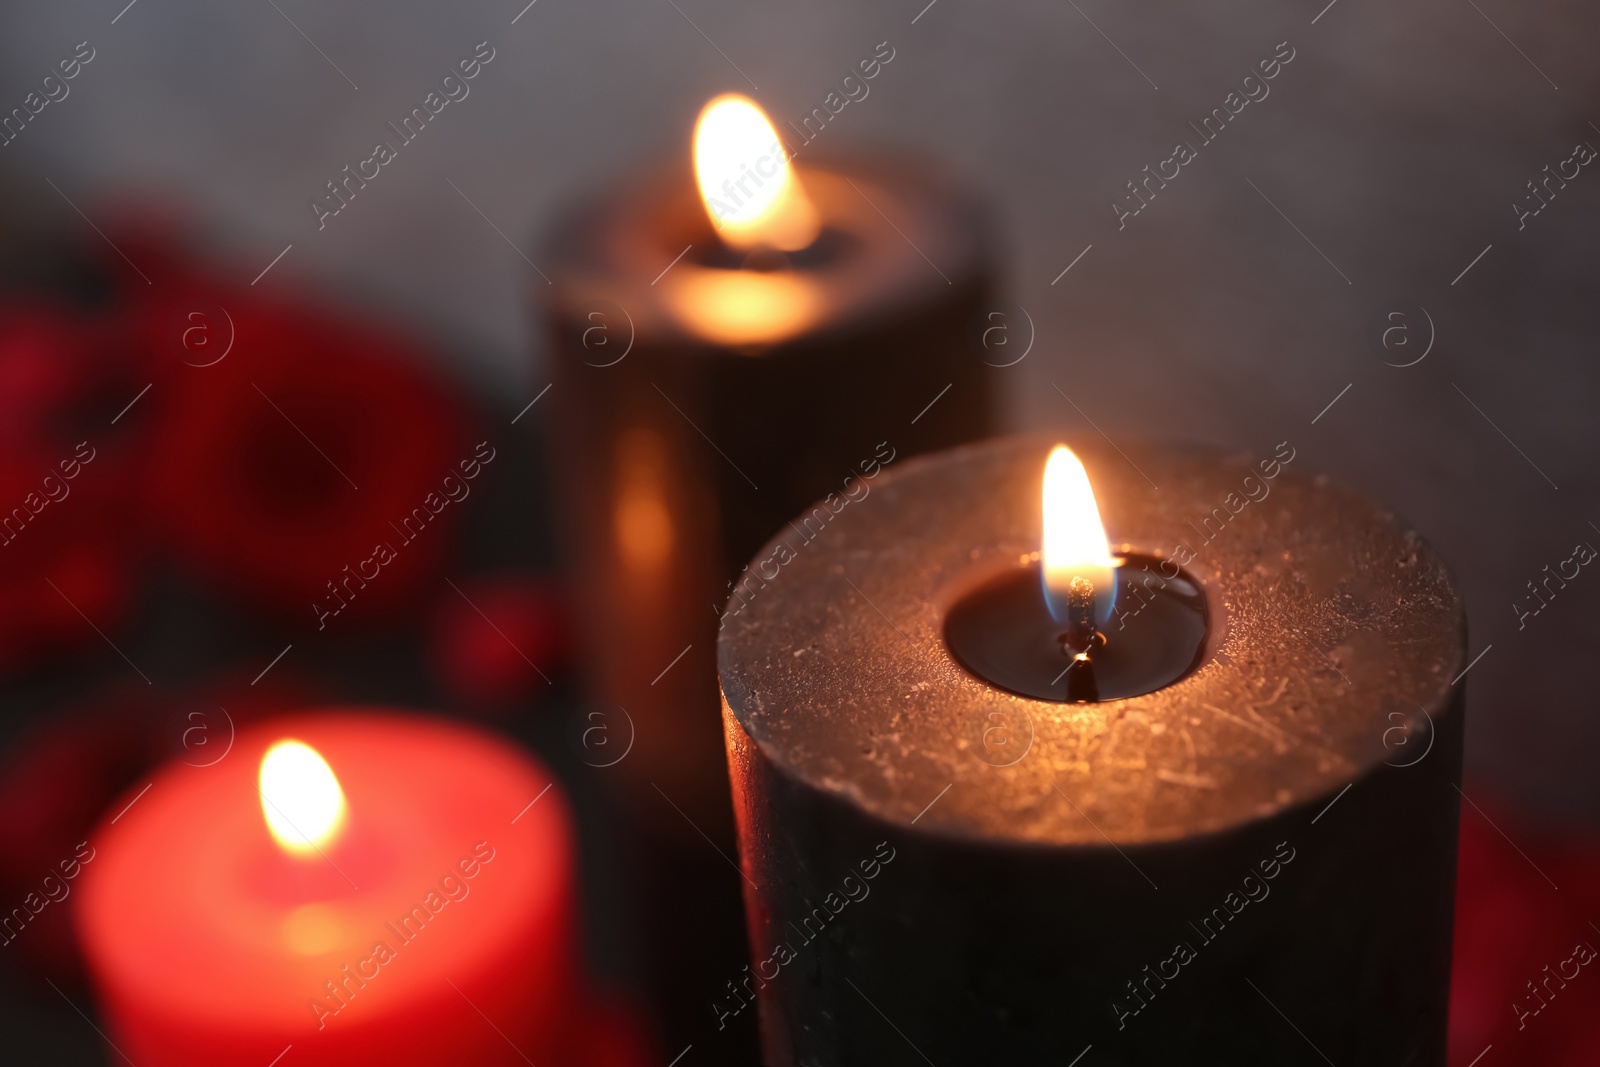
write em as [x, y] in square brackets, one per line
[1333, 626]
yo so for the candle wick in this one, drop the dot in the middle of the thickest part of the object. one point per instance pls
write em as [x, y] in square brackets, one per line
[1079, 642]
[1080, 615]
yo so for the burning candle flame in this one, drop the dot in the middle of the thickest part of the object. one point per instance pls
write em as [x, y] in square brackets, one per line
[1074, 542]
[746, 183]
[300, 797]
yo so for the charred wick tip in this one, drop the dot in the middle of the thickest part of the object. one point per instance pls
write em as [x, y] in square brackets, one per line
[1080, 641]
[1080, 615]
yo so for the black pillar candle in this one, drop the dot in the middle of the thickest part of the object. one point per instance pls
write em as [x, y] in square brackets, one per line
[1250, 859]
[704, 392]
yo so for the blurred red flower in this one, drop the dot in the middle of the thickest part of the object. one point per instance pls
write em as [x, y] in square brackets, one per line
[1512, 922]
[66, 548]
[497, 639]
[289, 442]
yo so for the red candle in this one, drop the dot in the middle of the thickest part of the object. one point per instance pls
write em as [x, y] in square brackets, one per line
[341, 888]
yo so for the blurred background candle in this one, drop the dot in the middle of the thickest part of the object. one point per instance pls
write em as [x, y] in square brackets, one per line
[733, 341]
[359, 887]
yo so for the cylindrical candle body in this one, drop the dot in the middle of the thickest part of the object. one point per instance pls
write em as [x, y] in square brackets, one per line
[434, 929]
[697, 406]
[1253, 860]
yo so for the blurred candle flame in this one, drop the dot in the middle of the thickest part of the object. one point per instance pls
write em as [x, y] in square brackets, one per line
[1074, 543]
[746, 183]
[300, 797]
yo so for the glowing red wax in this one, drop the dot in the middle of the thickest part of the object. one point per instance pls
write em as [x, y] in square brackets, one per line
[208, 943]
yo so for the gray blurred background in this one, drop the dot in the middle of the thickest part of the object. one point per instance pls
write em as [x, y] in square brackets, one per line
[1248, 295]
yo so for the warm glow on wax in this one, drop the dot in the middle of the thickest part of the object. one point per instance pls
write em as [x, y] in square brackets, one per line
[1074, 541]
[751, 193]
[300, 797]
[746, 307]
